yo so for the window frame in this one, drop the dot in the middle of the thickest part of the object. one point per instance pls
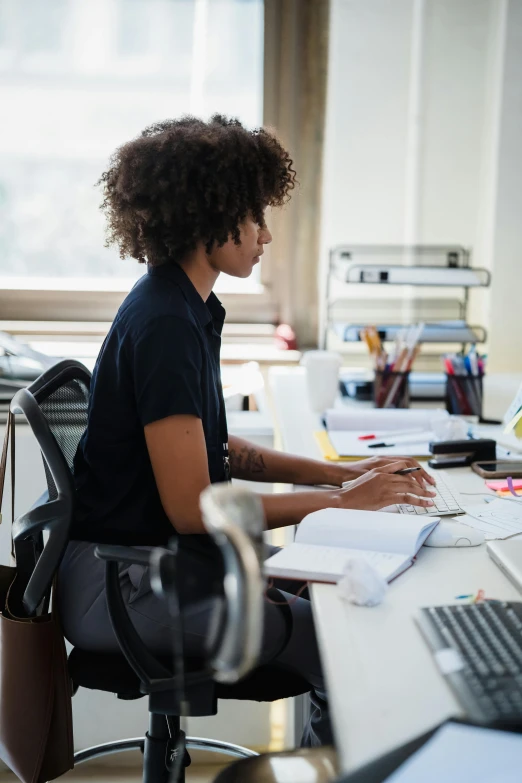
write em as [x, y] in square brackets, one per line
[289, 268]
[34, 304]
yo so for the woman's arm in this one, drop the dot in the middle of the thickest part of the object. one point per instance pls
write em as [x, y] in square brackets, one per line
[259, 463]
[177, 451]
[178, 455]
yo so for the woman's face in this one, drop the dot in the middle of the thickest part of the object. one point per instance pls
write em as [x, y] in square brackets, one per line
[239, 260]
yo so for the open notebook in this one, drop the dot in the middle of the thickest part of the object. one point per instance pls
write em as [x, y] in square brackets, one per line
[327, 539]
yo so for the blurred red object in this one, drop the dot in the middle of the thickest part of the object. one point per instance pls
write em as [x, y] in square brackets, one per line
[285, 338]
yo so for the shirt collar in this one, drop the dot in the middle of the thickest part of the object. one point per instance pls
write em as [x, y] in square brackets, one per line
[205, 312]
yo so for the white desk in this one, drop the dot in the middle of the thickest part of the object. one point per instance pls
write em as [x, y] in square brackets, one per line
[384, 687]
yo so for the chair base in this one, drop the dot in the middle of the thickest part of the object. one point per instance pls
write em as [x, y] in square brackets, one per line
[216, 746]
[138, 743]
[108, 748]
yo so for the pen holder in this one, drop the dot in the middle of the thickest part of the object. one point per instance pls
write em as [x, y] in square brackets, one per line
[464, 395]
[391, 389]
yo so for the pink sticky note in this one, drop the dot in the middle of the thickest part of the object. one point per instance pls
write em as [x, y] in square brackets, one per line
[502, 484]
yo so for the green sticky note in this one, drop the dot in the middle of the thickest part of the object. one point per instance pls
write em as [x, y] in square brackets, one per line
[515, 425]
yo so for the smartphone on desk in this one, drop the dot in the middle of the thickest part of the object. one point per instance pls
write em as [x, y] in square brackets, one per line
[498, 468]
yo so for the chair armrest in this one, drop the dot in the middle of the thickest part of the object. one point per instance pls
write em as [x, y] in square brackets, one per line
[145, 665]
[37, 572]
[153, 675]
[128, 555]
[234, 518]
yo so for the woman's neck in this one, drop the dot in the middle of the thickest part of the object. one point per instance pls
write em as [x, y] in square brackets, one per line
[200, 273]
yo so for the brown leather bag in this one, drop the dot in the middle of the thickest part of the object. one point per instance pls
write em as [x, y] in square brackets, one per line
[36, 738]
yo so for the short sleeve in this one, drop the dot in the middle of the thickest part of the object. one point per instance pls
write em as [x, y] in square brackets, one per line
[167, 364]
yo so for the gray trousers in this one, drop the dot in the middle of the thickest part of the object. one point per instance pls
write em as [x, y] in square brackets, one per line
[86, 624]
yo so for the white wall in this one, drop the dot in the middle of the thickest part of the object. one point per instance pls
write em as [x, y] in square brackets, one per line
[456, 40]
[422, 124]
[504, 217]
[365, 147]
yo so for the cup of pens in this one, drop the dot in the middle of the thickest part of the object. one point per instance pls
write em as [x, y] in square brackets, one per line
[391, 387]
[464, 383]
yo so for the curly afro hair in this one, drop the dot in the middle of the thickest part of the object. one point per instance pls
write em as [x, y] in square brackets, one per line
[186, 181]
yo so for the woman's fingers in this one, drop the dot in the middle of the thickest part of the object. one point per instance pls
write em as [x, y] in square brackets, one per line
[392, 467]
[413, 500]
[410, 485]
[382, 487]
[415, 494]
[420, 476]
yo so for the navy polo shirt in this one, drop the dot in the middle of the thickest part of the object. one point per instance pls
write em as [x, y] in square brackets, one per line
[160, 358]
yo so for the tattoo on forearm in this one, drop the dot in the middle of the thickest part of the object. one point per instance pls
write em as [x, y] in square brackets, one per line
[246, 462]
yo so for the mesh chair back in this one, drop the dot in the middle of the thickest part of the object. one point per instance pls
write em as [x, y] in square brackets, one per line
[65, 409]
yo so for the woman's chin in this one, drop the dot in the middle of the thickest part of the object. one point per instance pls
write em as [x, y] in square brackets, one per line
[241, 272]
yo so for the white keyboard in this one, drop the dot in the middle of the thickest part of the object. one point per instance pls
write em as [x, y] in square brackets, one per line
[446, 502]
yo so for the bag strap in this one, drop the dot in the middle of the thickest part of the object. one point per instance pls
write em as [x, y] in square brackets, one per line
[3, 460]
[9, 435]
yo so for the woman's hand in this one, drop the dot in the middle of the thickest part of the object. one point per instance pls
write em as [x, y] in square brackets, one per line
[357, 469]
[381, 487]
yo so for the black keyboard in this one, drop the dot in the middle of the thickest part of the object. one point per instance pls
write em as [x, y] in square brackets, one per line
[478, 647]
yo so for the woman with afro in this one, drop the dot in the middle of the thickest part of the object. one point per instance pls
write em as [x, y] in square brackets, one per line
[188, 199]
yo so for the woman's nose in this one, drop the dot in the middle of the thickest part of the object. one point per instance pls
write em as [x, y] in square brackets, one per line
[265, 237]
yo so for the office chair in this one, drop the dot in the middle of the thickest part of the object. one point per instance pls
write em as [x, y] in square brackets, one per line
[55, 407]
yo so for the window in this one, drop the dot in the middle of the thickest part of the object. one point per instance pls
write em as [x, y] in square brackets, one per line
[79, 78]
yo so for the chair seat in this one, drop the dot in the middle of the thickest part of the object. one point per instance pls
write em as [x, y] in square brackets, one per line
[110, 672]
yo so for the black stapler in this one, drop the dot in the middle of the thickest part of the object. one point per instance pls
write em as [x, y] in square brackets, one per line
[460, 453]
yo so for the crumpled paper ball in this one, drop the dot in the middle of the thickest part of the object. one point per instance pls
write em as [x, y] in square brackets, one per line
[449, 427]
[361, 584]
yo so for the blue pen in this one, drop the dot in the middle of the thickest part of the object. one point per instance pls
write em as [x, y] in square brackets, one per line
[474, 361]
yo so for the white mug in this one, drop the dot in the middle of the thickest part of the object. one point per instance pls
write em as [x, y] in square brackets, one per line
[322, 373]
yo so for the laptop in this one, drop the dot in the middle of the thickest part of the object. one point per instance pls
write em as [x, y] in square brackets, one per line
[507, 554]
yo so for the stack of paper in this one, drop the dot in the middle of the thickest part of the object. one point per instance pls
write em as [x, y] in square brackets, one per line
[405, 433]
[499, 519]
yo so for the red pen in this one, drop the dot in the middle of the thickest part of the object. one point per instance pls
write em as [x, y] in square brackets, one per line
[389, 434]
[449, 367]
